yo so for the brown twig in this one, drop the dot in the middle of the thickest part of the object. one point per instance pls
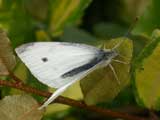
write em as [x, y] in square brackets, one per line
[71, 102]
[15, 78]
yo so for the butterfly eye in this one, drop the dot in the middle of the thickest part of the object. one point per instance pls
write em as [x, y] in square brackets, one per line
[44, 59]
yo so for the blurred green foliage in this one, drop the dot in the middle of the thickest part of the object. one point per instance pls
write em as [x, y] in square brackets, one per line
[146, 73]
[91, 22]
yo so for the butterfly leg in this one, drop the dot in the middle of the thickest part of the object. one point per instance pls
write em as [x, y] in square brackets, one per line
[55, 95]
[122, 56]
[120, 61]
[114, 72]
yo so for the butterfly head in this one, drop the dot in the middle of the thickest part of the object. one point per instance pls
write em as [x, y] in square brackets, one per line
[111, 54]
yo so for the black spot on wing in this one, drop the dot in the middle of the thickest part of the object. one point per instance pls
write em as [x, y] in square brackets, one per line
[97, 59]
[44, 59]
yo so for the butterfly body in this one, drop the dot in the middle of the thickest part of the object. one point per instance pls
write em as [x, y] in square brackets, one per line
[102, 59]
[60, 64]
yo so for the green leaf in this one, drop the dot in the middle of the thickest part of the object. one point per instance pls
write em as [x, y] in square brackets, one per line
[7, 58]
[150, 19]
[73, 34]
[20, 107]
[109, 30]
[20, 24]
[101, 85]
[139, 42]
[146, 74]
[21, 72]
[42, 35]
[124, 98]
[66, 12]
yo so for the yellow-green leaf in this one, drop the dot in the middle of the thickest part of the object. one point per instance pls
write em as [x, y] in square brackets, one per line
[7, 59]
[73, 92]
[101, 85]
[21, 72]
[20, 107]
[66, 12]
[147, 74]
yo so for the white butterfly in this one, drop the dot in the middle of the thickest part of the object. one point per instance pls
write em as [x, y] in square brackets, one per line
[60, 64]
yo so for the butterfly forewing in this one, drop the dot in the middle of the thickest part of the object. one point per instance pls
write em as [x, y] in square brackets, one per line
[49, 61]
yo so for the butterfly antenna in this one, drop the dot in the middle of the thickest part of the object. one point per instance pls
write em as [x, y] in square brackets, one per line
[126, 34]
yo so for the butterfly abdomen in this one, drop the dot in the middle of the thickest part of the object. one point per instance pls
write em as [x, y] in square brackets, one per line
[97, 59]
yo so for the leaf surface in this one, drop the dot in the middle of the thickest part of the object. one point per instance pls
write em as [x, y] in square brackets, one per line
[7, 58]
[101, 85]
[147, 74]
[20, 107]
[66, 12]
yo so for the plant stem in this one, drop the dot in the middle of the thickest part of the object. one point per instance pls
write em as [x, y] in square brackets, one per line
[15, 78]
[71, 102]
